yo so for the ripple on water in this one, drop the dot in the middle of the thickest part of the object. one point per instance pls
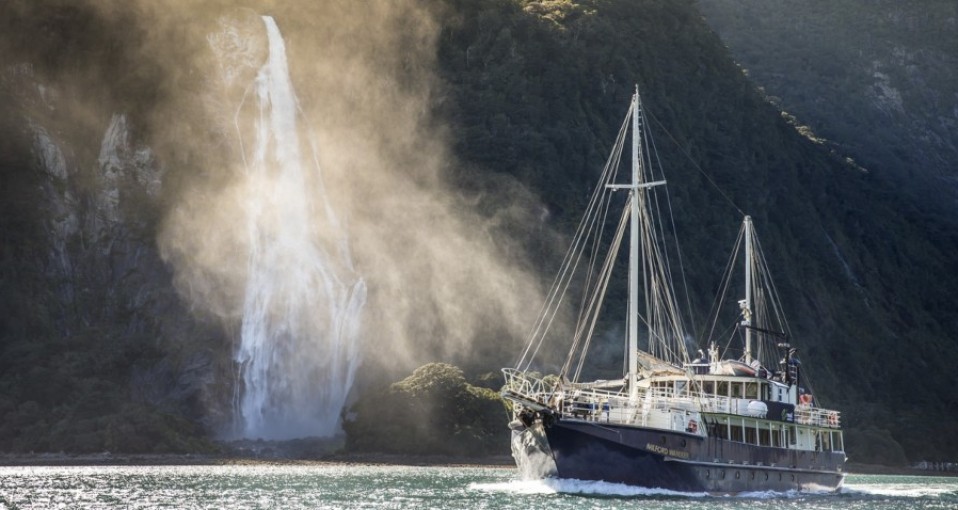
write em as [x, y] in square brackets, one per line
[386, 487]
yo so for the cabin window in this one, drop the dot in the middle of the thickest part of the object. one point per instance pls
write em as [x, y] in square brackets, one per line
[736, 433]
[708, 387]
[776, 436]
[736, 390]
[764, 437]
[679, 388]
[837, 441]
[790, 432]
[721, 430]
[722, 389]
[750, 436]
[751, 390]
[826, 438]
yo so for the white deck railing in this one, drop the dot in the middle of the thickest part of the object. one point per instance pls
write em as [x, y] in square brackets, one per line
[598, 404]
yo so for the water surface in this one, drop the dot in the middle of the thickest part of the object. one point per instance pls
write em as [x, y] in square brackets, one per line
[385, 487]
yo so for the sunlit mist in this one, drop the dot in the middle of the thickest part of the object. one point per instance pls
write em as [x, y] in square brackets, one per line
[320, 225]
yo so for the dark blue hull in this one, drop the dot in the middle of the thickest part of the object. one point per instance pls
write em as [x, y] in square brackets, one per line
[681, 462]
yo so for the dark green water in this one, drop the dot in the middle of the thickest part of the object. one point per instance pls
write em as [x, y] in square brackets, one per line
[350, 486]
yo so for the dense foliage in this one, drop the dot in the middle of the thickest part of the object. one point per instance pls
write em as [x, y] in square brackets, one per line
[433, 411]
[875, 79]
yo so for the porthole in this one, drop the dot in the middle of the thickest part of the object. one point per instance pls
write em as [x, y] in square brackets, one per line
[766, 477]
[780, 477]
[738, 475]
[664, 440]
[752, 475]
[793, 478]
[708, 474]
[684, 443]
[722, 475]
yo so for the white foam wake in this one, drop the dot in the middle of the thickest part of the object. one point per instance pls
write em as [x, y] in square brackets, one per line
[572, 486]
[926, 489]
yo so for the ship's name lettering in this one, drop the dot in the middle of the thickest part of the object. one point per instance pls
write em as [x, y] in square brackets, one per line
[661, 450]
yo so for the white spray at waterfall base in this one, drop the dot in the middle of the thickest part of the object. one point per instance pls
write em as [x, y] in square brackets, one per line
[298, 350]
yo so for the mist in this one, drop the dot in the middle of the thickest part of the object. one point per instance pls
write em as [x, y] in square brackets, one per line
[364, 77]
[378, 211]
[438, 276]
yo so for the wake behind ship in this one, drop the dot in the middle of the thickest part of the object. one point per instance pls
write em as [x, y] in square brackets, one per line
[716, 423]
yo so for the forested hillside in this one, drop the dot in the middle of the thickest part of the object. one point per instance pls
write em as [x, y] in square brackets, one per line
[99, 352]
[875, 79]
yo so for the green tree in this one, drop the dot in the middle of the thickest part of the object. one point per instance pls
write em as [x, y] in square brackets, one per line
[433, 411]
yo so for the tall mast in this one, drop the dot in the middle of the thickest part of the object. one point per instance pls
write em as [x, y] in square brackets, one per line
[633, 321]
[637, 187]
[747, 319]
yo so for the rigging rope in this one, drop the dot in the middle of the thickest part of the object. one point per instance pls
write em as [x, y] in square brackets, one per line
[598, 296]
[726, 280]
[678, 250]
[696, 165]
[563, 279]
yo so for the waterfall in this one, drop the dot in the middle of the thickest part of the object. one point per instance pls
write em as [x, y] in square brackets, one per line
[298, 350]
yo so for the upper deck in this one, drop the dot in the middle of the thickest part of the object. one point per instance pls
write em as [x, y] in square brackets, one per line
[712, 394]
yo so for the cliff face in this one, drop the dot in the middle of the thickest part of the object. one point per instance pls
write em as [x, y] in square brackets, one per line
[876, 79]
[98, 351]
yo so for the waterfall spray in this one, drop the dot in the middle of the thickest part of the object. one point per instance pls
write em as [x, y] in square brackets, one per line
[298, 350]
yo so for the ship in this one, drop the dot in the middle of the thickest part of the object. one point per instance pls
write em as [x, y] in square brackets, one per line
[738, 415]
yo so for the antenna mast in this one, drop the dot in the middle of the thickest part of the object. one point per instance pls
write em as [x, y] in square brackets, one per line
[747, 309]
